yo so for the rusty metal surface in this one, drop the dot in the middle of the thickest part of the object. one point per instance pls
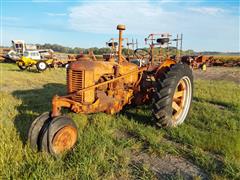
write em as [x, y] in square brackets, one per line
[107, 86]
[75, 80]
[197, 62]
[64, 139]
[121, 28]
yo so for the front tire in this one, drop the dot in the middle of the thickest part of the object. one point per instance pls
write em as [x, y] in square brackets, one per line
[41, 65]
[36, 128]
[59, 135]
[173, 96]
[22, 65]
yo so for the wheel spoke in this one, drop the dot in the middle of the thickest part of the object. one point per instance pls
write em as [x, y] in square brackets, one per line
[178, 94]
[175, 106]
[178, 100]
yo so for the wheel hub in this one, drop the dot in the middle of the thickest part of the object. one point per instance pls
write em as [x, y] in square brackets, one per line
[42, 65]
[179, 99]
[64, 139]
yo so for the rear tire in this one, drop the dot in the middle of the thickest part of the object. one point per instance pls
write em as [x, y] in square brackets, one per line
[41, 65]
[173, 96]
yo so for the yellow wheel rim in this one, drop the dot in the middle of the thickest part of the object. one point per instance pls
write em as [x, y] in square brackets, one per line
[181, 100]
[64, 139]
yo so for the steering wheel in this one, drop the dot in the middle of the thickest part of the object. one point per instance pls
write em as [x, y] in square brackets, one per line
[142, 54]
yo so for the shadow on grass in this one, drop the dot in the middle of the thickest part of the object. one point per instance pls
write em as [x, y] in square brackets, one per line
[32, 70]
[218, 103]
[8, 61]
[34, 103]
[135, 113]
[26, 70]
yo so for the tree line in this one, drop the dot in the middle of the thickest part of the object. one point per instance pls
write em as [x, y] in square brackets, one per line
[75, 50]
[99, 51]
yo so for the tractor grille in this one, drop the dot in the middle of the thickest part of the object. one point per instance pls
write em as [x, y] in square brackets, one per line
[75, 82]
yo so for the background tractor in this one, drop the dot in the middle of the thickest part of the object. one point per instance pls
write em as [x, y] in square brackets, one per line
[107, 86]
[19, 47]
[33, 58]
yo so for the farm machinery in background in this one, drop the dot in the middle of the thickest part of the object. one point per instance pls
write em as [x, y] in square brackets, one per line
[163, 40]
[197, 61]
[113, 45]
[34, 58]
[157, 42]
[29, 55]
[19, 47]
[107, 86]
[3, 53]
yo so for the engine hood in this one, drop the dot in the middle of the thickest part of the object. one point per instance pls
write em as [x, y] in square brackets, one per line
[91, 65]
[102, 67]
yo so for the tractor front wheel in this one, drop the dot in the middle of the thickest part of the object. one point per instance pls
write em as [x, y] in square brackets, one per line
[173, 95]
[59, 135]
[41, 65]
[22, 65]
[36, 129]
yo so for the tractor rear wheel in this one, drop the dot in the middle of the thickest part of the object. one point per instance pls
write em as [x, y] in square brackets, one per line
[173, 96]
[41, 65]
[36, 128]
[59, 135]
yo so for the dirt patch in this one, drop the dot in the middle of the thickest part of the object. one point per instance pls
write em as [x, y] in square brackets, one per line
[164, 167]
[169, 166]
[219, 73]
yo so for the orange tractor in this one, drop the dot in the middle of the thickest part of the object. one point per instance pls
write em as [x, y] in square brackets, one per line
[107, 86]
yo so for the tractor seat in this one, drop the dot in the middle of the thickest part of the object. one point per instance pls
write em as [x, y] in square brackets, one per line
[112, 43]
[162, 40]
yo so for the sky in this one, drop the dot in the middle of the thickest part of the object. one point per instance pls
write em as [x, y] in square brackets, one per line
[211, 25]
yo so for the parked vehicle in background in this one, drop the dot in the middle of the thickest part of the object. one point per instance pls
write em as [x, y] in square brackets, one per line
[33, 58]
[19, 47]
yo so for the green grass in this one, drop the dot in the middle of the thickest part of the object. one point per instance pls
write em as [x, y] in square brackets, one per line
[209, 138]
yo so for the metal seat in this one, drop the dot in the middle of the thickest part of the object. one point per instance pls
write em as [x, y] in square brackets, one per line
[110, 44]
[162, 40]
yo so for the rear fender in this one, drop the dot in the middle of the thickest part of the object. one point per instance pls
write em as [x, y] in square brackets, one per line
[166, 64]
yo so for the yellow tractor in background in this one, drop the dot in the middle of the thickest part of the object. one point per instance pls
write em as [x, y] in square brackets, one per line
[107, 86]
[33, 58]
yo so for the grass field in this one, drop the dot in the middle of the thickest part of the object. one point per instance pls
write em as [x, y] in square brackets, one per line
[124, 146]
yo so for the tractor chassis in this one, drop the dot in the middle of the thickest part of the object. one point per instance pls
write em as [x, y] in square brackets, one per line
[141, 95]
